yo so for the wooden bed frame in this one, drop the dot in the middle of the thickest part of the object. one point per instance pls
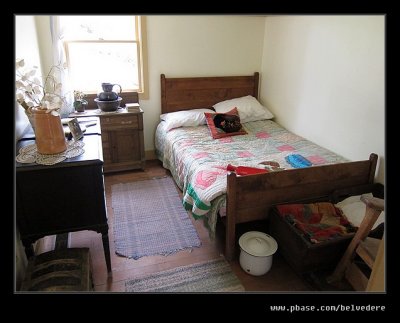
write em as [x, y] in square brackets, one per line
[250, 198]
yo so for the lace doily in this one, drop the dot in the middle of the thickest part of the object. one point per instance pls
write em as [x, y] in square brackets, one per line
[29, 154]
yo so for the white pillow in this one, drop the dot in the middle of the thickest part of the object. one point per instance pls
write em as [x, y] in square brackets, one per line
[248, 106]
[185, 118]
[354, 209]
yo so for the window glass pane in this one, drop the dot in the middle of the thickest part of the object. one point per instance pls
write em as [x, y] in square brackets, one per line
[94, 63]
[98, 27]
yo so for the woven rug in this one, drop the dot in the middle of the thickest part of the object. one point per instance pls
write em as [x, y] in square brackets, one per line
[149, 219]
[211, 276]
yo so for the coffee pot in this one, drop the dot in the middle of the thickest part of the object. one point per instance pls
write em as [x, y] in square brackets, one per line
[108, 94]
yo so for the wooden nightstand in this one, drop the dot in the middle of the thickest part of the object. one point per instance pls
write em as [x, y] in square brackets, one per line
[122, 139]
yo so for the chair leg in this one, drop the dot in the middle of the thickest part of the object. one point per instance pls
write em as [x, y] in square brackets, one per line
[371, 215]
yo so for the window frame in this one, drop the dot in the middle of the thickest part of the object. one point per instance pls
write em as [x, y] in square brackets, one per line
[141, 41]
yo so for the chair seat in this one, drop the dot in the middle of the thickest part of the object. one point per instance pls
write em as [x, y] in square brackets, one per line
[59, 270]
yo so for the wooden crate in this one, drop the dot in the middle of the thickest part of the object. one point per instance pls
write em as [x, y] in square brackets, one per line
[59, 270]
[299, 252]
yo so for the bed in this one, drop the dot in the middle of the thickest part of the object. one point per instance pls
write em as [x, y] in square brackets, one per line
[191, 154]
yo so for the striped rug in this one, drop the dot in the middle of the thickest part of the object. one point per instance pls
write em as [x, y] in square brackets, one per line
[210, 276]
[149, 219]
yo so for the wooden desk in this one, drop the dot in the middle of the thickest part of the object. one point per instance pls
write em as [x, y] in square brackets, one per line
[64, 197]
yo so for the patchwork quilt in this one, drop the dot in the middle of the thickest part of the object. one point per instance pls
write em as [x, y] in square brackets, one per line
[198, 162]
[317, 222]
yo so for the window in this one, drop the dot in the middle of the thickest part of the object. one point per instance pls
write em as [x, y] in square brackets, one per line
[105, 49]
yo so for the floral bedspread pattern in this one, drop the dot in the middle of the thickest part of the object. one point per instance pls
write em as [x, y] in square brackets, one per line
[198, 162]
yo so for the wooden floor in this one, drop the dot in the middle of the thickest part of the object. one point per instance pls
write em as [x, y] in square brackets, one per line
[280, 278]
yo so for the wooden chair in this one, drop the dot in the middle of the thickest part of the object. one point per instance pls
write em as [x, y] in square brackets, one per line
[370, 250]
[60, 270]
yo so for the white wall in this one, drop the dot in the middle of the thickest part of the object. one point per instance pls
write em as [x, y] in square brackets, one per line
[45, 42]
[323, 78]
[26, 46]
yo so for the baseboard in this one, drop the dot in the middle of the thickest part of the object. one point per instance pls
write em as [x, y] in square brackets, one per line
[150, 154]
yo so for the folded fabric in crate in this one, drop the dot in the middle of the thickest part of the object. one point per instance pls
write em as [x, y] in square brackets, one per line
[318, 222]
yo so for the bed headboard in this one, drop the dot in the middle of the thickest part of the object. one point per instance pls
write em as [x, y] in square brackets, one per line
[203, 92]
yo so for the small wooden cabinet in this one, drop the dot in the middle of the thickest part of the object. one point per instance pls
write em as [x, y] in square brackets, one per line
[123, 143]
[122, 139]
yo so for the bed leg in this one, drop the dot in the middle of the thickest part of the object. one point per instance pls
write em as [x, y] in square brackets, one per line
[374, 161]
[230, 217]
[230, 240]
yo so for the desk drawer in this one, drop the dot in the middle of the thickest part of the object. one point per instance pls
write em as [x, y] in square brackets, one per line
[120, 121]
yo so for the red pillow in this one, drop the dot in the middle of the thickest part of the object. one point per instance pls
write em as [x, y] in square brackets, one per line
[218, 132]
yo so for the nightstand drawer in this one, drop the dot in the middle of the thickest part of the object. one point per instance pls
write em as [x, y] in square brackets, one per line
[120, 121]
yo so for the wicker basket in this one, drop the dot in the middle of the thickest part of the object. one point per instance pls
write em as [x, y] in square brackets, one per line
[59, 270]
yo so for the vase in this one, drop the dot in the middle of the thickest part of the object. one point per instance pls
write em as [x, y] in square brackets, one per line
[80, 105]
[31, 118]
[49, 132]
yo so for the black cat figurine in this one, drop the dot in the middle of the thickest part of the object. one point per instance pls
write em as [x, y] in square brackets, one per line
[227, 122]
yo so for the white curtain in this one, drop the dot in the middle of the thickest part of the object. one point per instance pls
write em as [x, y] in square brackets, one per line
[59, 59]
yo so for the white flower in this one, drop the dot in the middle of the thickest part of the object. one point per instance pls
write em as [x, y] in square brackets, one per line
[31, 93]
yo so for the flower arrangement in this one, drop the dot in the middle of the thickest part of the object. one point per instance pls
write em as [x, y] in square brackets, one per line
[80, 103]
[79, 95]
[30, 92]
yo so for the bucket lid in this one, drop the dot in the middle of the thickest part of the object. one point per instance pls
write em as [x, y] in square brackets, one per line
[258, 244]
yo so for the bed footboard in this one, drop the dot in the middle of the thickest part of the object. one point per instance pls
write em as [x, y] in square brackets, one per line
[249, 198]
